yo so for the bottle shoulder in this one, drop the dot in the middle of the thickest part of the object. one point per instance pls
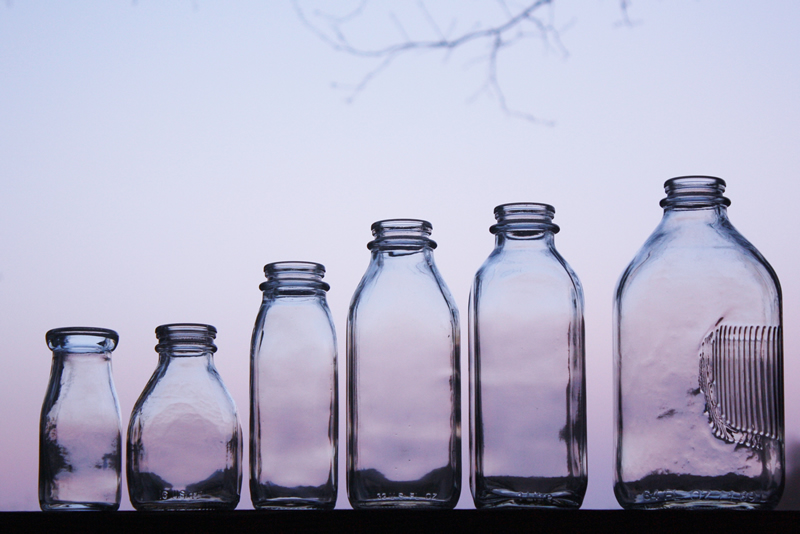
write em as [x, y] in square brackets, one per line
[711, 254]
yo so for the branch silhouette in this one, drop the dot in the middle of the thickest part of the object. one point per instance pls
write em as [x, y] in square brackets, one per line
[516, 25]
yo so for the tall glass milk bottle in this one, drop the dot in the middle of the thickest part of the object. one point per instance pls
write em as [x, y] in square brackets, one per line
[698, 362]
[403, 397]
[527, 381]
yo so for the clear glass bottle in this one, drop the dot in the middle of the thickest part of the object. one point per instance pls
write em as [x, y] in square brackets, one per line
[184, 437]
[293, 392]
[527, 382]
[404, 417]
[699, 362]
[80, 430]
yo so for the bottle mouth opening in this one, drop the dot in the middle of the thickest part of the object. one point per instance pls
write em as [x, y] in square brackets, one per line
[85, 339]
[186, 337]
[401, 234]
[528, 218]
[694, 192]
[294, 274]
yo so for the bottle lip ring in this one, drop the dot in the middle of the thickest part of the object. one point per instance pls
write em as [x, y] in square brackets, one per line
[305, 267]
[299, 275]
[186, 337]
[110, 337]
[692, 192]
[401, 234]
[525, 217]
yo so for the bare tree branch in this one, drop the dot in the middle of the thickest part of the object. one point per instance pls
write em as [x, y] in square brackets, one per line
[517, 24]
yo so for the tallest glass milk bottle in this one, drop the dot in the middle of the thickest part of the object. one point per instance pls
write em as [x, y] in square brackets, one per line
[403, 393]
[699, 362]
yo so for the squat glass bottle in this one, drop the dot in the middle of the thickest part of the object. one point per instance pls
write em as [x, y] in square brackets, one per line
[80, 430]
[293, 392]
[699, 362]
[404, 420]
[527, 382]
[184, 437]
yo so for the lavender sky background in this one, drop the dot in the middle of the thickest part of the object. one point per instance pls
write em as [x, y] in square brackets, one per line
[155, 155]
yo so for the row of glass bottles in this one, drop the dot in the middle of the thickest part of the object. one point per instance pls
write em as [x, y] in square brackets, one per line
[698, 369]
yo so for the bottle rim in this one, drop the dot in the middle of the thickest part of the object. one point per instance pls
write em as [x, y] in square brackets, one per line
[298, 274]
[528, 217]
[401, 234]
[186, 337]
[82, 339]
[698, 191]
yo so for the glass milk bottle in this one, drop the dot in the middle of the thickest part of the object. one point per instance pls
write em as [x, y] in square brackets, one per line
[79, 434]
[184, 438]
[527, 382]
[699, 362]
[293, 392]
[403, 427]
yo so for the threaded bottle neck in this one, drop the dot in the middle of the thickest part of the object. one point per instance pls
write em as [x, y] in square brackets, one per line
[524, 220]
[405, 234]
[694, 192]
[80, 339]
[294, 277]
[186, 339]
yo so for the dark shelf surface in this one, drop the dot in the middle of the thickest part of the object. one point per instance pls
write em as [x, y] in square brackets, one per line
[389, 521]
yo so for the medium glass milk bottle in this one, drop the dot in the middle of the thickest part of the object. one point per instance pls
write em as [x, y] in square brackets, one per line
[527, 382]
[184, 438]
[293, 392]
[699, 362]
[404, 421]
[80, 455]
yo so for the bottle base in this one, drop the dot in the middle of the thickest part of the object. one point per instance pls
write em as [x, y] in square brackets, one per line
[529, 492]
[179, 506]
[293, 504]
[402, 502]
[633, 496]
[61, 506]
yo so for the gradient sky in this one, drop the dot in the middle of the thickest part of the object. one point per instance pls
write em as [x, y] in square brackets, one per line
[154, 156]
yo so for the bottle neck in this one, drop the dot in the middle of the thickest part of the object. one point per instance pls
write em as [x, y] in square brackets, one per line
[401, 237]
[185, 340]
[524, 225]
[294, 279]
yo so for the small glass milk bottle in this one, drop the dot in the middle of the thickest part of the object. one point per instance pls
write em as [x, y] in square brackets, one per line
[184, 437]
[527, 382]
[699, 362]
[404, 419]
[293, 392]
[79, 434]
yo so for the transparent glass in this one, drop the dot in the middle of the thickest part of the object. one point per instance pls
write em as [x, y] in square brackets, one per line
[527, 382]
[293, 392]
[403, 396]
[184, 437]
[698, 362]
[80, 430]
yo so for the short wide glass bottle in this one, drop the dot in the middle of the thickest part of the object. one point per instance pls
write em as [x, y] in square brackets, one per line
[527, 382]
[293, 392]
[80, 455]
[404, 419]
[184, 437]
[699, 362]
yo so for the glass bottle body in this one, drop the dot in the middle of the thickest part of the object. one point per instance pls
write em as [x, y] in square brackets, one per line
[184, 437]
[699, 363]
[80, 459]
[404, 420]
[293, 392]
[527, 382]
